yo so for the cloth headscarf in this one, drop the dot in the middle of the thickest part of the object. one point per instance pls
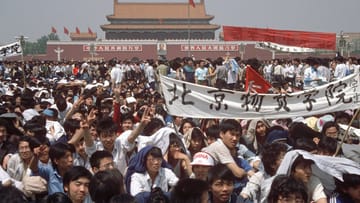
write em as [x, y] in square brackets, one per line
[250, 137]
[188, 137]
[137, 165]
[159, 139]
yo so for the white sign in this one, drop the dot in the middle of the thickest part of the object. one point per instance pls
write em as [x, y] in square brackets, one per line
[192, 100]
[13, 49]
[210, 47]
[114, 48]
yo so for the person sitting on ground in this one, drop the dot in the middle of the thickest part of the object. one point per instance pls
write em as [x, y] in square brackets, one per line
[256, 135]
[271, 158]
[106, 184]
[177, 157]
[148, 169]
[295, 165]
[221, 182]
[76, 184]
[101, 160]
[348, 190]
[190, 191]
[201, 164]
[195, 140]
[61, 159]
[224, 150]
[287, 189]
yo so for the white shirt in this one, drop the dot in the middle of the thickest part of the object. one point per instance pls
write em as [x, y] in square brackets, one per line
[121, 147]
[310, 74]
[62, 114]
[141, 182]
[149, 73]
[116, 74]
[340, 71]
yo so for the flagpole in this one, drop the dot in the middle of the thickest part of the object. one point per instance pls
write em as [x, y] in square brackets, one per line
[189, 54]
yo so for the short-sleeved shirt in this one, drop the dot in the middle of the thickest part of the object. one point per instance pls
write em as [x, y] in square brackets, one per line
[219, 152]
[141, 182]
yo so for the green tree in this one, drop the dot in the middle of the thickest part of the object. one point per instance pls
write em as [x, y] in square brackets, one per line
[39, 47]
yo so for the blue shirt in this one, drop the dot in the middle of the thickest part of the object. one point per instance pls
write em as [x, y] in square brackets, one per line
[55, 181]
[189, 73]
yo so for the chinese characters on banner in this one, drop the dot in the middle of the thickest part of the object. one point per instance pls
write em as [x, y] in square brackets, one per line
[13, 49]
[111, 48]
[210, 47]
[192, 100]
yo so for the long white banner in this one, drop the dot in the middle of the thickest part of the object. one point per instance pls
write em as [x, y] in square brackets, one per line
[192, 100]
[13, 49]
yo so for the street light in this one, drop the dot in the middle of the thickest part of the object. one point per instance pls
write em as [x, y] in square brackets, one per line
[22, 39]
[342, 42]
[242, 50]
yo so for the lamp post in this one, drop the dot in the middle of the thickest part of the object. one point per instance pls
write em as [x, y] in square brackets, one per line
[242, 50]
[92, 51]
[342, 43]
[22, 39]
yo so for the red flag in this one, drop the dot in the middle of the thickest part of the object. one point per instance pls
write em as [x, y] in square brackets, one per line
[192, 3]
[53, 30]
[66, 31]
[255, 82]
[90, 31]
[77, 30]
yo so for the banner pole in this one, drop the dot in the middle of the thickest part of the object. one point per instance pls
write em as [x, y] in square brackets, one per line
[346, 132]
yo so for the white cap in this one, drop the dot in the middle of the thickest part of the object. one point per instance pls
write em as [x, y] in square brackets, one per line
[322, 120]
[203, 159]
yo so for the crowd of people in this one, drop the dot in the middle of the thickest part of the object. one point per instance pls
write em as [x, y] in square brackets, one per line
[99, 132]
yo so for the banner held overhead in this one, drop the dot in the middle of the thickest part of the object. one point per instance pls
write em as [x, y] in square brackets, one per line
[316, 40]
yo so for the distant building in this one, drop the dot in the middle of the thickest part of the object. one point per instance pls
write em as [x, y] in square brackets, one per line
[159, 21]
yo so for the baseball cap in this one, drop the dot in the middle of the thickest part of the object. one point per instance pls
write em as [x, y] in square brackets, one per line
[203, 159]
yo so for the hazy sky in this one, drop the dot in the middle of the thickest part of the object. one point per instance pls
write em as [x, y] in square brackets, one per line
[34, 18]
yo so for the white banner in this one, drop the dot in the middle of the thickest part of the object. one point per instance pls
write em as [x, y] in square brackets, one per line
[13, 49]
[192, 100]
[283, 48]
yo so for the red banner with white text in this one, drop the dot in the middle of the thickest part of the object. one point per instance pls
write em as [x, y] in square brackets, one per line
[316, 40]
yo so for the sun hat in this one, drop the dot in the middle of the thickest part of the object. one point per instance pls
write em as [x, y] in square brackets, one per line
[202, 159]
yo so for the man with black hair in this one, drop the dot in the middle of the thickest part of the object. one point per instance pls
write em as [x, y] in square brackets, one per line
[221, 182]
[224, 150]
[117, 146]
[18, 163]
[76, 184]
[348, 190]
[101, 160]
[62, 106]
[31, 107]
[106, 184]
[61, 159]
[287, 189]
[272, 156]
[190, 191]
